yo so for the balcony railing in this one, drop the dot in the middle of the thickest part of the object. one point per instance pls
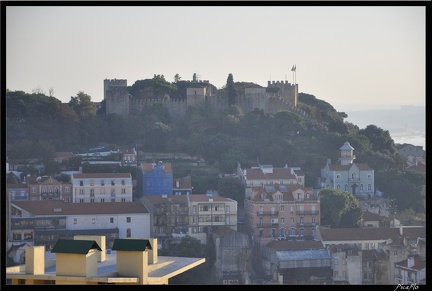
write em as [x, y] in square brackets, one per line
[306, 224]
[314, 212]
[273, 224]
[268, 213]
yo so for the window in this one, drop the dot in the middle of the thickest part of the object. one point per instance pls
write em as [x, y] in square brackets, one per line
[343, 262]
[92, 183]
[338, 187]
[301, 232]
[123, 182]
[67, 189]
[128, 232]
[111, 219]
[128, 219]
[282, 208]
[344, 274]
[112, 183]
[346, 187]
[75, 220]
[81, 200]
[102, 182]
[369, 176]
[361, 187]
[261, 221]
[301, 220]
[123, 200]
[92, 192]
[123, 191]
[92, 200]
[292, 209]
[335, 262]
[335, 274]
[112, 199]
[102, 191]
[81, 191]
[102, 200]
[282, 220]
[81, 183]
[292, 220]
[395, 253]
[338, 176]
[93, 220]
[33, 190]
[369, 187]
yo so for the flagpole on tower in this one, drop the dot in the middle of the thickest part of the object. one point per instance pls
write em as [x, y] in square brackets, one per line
[293, 69]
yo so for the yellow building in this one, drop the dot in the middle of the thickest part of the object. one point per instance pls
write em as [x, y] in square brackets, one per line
[79, 261]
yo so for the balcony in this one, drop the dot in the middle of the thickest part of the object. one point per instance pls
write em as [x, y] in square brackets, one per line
[268, 213]
[264, 225]
[306, 224]
[314, 212]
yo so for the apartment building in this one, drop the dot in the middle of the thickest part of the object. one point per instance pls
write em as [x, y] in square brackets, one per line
[260, 175]
[411, 271]
[169, 217]
[101, 187]
[155, 179]
[280, 211]
[44, 222]
[390, 245]
[208, 212]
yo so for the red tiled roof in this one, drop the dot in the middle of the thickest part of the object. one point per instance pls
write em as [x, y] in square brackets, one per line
[287, 195]
[375, 233]
[184, 183]
[278, 174]
[101, 175]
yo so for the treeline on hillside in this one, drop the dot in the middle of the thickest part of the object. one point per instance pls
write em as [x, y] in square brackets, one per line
[38, 125]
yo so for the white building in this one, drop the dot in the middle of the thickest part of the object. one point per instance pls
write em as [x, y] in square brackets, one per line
[43, 222]
[101, 187]
[345, 175]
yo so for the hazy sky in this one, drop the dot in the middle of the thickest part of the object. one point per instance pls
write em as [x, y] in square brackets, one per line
[348, 56]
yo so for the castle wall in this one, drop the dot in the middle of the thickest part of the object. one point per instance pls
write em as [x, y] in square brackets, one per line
[118, 100]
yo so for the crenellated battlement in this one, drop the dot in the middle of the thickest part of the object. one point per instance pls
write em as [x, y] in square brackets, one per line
[279, 95]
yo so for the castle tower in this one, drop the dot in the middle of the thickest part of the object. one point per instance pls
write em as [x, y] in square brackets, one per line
[288, 91]
[116, 97]
[195, 96]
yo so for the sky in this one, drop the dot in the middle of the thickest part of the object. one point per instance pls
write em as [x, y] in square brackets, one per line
[353, 57]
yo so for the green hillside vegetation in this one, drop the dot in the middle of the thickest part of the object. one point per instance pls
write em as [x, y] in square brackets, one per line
[38, 125]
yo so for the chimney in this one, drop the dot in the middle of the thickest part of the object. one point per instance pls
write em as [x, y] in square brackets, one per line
[35, 260]
[400, 229]
[177, 183]
[410, 262]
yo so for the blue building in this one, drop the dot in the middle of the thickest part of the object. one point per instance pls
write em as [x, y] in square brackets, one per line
[156, 179]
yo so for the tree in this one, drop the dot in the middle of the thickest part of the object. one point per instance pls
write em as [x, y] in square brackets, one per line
[82, 104]
[177, 78]
[231, 91]
[232, 188]
[339, 209]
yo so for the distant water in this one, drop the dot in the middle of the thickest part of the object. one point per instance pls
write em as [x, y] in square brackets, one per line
[406, 125]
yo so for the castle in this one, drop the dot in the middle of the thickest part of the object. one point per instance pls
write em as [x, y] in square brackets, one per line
[278, 96]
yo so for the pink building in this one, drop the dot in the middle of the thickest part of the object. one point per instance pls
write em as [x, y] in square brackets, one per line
[281, 211]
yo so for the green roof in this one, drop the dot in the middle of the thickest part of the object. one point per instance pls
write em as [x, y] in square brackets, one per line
[131, 245]
[70, 246]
